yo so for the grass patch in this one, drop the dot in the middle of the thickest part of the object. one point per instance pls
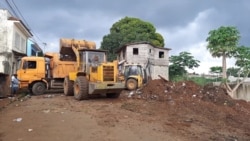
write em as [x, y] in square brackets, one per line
[200, 80]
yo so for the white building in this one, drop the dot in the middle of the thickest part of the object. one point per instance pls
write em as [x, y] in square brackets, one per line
[13, 44]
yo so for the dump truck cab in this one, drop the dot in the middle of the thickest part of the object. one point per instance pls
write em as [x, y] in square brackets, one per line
[41, 73]
[32, 70]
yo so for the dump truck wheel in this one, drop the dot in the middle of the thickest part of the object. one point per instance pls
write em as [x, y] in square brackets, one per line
[38, 88]
[113, 95]
[68, 86]
[81, 88]
[131, 84]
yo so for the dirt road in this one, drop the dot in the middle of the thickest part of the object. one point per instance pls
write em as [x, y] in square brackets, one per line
[175, 117]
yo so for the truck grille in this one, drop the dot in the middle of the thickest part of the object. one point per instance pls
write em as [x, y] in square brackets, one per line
[108, 73]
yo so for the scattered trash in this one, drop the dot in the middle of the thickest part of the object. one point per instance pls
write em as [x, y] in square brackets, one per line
[189, 120]
[48, 96]
[183, 84]
[131, 93]
[30, 130]
[138, 91]
[46, 111]
[18, 119]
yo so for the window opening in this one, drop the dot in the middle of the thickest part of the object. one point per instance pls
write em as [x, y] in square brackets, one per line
[135, 51]
[161, 54]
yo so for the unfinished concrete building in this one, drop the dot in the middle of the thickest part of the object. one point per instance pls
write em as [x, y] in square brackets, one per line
[154, 59]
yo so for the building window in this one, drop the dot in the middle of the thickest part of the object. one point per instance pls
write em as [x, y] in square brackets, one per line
[20, 43]
[161, 54]
[23, 47]
[17, 41]
[135, 51]
[33, 53]
[149, 50]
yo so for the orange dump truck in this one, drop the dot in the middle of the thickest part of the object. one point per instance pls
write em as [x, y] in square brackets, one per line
[41, 73]
[48, 72]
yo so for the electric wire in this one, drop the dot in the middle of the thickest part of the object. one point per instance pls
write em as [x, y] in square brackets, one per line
[16, 12]
[20, 14]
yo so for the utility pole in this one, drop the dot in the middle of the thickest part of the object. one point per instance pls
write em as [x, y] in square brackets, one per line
[44, 45]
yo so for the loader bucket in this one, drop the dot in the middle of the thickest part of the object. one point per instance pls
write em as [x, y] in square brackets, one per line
[67, 44]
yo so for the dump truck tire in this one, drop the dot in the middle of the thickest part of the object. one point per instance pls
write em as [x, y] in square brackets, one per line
[38, 88]
[81, 88]
[113, 95]
[131, 84]
[68, 86]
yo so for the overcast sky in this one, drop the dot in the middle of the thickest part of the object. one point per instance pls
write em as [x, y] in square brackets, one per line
[184, 24]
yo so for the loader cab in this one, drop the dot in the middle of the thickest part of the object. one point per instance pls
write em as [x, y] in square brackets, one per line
[91, 58]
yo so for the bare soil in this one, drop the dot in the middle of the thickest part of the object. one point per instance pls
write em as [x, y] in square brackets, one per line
[161, 110]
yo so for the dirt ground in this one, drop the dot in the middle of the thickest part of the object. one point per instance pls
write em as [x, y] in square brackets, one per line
[160, 111]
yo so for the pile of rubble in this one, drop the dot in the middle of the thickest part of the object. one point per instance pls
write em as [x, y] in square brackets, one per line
[162, 90]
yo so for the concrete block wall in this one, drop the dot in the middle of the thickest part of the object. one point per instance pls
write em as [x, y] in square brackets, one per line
[243, 92]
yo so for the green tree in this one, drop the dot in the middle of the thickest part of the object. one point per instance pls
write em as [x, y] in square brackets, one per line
[222, 42]
[128, 30]
[216, 69]
[243, 62]
[233, 71]
[180, 63]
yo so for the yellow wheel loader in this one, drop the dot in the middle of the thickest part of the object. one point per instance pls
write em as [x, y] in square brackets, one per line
[94, 75]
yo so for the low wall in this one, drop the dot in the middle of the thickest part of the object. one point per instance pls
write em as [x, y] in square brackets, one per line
[243, 92]
[4, 85]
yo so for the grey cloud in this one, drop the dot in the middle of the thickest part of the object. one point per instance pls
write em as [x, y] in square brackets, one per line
[65, 18]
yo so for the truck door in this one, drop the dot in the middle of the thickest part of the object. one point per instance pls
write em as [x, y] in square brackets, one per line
[28, 72]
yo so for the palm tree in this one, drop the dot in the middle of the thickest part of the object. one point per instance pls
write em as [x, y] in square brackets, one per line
[222, 42]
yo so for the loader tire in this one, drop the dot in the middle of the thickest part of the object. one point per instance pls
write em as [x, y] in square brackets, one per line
[112, 95]
[38, 88]
[81, 88]
[131, 84]
[68, 86]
